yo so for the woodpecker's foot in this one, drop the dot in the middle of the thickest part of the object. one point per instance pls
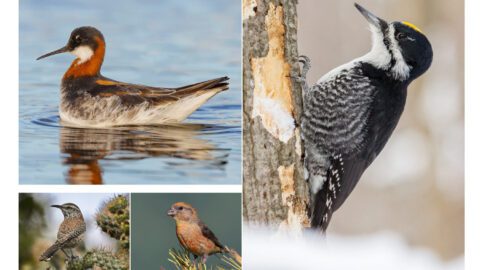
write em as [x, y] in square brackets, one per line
[306, 64]
[298, 79]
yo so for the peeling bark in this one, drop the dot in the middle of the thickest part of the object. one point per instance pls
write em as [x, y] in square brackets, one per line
[274, 190]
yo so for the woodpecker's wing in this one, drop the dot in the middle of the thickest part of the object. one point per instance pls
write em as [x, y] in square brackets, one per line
[135, 93]
[209, 234]
[336, 116]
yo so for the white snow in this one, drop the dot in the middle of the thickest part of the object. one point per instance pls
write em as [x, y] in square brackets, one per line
[266, 249]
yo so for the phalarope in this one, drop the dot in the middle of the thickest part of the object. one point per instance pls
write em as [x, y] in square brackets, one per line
[92, 100]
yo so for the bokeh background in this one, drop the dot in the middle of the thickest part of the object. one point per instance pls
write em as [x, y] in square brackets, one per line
[415, 188]
[38, 225]
[153, 231]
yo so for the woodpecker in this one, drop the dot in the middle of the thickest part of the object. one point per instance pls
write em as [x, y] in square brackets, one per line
[351, 112]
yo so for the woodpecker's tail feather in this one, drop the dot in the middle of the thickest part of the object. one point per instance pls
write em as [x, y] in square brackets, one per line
[330, 196]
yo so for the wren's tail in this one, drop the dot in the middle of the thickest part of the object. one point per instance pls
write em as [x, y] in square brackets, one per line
[47, 255]
[217, 85]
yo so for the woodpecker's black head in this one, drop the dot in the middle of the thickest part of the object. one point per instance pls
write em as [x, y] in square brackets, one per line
[398, 47]
[83, 43]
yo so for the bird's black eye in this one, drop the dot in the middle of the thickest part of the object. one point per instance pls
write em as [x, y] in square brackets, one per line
[401, 35]
[180, 208]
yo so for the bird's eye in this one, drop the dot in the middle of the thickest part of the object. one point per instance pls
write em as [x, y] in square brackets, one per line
[180, 208]
[401, 36]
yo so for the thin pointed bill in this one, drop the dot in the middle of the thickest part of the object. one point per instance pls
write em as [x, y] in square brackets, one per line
[61, 50]
[371, 18]
[56, 206]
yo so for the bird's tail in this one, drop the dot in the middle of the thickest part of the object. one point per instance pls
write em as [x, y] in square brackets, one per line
[47, 255]
[216, 85]
[321, 213]
[233, 253]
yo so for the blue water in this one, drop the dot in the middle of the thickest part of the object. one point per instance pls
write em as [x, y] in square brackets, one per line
[158, 43]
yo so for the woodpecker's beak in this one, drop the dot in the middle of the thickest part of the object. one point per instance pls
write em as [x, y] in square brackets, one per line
[61, 50]
[171, 212]
[372, 19]
[56, 206]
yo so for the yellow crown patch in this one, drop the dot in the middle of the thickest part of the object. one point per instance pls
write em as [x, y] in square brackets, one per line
[413, 26]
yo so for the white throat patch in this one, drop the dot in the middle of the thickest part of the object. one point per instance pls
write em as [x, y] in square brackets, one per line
[84, 53]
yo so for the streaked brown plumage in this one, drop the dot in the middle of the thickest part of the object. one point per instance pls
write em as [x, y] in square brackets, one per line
[70, 233]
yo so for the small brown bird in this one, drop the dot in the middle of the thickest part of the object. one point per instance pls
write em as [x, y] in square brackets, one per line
[70, 233]
[192, 233]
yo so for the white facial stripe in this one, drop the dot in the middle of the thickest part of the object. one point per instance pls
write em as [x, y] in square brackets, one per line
[400, 70]
[379, 56]
[84, 53]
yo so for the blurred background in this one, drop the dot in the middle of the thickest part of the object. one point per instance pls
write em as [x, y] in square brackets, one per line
[38, 225]
[153, 231]
[415, 188]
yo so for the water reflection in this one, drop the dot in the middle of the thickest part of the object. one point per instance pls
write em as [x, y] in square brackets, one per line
[82, 149]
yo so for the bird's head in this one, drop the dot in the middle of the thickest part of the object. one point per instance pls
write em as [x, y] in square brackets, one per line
[181, 211]
[398, 47]
[84, 42]
[69, 210]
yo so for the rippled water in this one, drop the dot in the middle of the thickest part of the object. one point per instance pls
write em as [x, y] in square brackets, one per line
[159, 43]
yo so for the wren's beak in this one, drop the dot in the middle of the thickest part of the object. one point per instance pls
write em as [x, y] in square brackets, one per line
[61, 50]
[56, 206]
[371, 18]
[171, 212]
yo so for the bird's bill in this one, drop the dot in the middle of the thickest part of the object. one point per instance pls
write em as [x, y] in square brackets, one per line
[171, 212]
[56, 206]
[61, 50]
[371, 18]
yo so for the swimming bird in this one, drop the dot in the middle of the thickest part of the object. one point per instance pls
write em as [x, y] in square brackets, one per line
[89, 99]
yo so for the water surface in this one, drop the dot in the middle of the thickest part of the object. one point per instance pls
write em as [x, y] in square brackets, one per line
[158, 43]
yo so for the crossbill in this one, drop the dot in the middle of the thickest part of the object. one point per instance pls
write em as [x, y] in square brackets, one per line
[192, 233]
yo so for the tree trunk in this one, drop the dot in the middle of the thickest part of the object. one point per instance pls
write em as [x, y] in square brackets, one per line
[274, 190]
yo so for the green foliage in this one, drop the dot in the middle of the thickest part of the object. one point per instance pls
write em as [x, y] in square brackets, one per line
[101, 258]
[113, 218]
[182, 260]
[31, 225]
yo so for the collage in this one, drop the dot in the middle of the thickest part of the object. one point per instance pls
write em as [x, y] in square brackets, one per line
[240, 134]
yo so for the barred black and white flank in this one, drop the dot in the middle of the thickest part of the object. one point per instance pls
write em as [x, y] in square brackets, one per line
[350, 113]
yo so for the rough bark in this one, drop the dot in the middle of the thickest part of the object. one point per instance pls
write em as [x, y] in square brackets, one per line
[274, 190]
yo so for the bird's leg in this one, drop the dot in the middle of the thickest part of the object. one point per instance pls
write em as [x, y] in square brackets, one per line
[195, 260]
[66, 254]
[73, 255]
[204, 258]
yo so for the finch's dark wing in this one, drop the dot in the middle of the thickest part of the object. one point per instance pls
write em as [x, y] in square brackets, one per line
[209, 234]
[136, 93]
